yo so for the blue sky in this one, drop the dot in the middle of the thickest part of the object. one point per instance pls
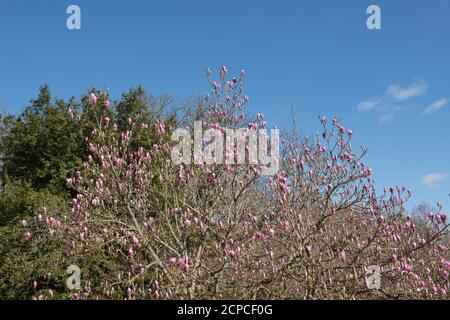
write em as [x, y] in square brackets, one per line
[301, 57]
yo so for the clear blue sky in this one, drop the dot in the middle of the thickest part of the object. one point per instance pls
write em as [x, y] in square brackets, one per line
[313, 57]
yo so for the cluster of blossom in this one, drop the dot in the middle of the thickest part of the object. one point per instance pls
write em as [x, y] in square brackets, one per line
[223, 232]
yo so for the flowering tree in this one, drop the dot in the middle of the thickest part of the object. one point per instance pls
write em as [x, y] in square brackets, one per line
[224, 231]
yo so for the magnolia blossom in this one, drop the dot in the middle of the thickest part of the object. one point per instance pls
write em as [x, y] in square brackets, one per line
[93, 98]
[311, 231]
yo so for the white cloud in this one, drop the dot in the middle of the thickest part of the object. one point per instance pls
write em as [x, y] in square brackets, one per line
[438, 105]
[388, 113]
[368, 105]
[434, 180]
[386, 107]
[400, 93]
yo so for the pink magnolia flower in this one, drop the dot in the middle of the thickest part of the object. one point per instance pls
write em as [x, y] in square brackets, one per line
[135, 240]
[260, 235]
[183, 262]
[70, 112]
[215, 85]
[441, 218]
[308, 249]
[343, 255]
[421, 284]
[446, 264]
[24, 223]
[106, 103]
[27, 235]
[223, 71]
[172, 262]
[93, 98]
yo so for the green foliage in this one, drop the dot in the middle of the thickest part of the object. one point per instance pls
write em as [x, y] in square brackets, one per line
[21, 201]
[42, 146]
[22, 262]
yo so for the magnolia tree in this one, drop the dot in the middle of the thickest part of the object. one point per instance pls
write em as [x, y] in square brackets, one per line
[225, 231]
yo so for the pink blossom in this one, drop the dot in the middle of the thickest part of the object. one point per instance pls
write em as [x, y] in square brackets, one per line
[441, 218]
[223, 71]
[93, 98]
[135, 240]
[183, 262]
[308, 249]
[172, 261]
[260, 235]
[343, 255]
